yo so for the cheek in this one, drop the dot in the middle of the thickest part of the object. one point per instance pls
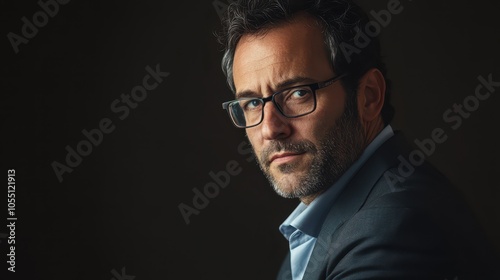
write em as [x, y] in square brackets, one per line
[310, 128]
[329, 110]
[315, 126]
[331, 104]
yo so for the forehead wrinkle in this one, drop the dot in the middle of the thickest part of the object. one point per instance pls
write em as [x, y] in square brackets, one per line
[274, 76]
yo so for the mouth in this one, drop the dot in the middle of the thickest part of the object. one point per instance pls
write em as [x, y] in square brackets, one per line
[284, 157]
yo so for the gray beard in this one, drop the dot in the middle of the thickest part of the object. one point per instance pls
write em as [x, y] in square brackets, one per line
[337, 151]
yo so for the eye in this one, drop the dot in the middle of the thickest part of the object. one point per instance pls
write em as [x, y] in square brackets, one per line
[300, 93]
[250, 105]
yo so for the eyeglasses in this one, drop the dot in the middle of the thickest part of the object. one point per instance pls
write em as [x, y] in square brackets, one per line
[292, 102]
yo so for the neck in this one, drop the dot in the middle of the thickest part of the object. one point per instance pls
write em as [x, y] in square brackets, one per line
[372, 129]
[308, 199]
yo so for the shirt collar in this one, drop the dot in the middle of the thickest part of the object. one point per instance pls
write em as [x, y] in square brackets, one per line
[309, 219]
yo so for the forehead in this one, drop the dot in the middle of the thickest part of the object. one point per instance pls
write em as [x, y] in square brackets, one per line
[290, 49]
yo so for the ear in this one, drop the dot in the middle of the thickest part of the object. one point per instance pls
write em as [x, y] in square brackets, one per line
[371, 95]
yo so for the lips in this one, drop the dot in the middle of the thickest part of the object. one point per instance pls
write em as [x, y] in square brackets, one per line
[283, 156]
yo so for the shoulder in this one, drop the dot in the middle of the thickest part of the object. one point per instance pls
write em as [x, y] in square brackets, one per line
[416, 228]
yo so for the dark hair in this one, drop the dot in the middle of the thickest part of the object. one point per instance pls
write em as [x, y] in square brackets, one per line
[341, 21]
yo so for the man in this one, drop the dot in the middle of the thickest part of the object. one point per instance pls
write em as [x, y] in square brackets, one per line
[317, 113]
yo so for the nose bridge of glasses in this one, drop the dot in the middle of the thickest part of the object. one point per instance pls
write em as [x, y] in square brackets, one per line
[273, 100]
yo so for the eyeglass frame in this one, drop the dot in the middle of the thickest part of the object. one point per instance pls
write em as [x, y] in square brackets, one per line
[314, 87]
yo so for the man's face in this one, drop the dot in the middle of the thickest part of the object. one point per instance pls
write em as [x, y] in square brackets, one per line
[302, 156]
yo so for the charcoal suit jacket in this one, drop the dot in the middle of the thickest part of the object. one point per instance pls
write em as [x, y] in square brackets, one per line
[399, 218]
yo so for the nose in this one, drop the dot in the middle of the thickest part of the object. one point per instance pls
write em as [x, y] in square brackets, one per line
[274, 125]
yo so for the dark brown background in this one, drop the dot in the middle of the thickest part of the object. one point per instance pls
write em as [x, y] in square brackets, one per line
[119, 207]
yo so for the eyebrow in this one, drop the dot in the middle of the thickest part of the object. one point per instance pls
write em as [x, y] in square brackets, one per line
[299, 80]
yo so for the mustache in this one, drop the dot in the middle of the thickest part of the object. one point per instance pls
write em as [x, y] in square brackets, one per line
[281, 146]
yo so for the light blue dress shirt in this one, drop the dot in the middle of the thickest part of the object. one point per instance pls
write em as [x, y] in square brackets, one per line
[302, 227]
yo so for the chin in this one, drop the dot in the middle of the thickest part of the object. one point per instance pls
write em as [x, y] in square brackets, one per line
[285, 193]
[286, 187]
[287, 179]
